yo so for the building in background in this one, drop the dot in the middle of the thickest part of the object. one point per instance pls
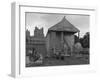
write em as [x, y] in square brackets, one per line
[36, 42]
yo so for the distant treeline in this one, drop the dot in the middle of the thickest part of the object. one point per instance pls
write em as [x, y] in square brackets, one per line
[85, 40]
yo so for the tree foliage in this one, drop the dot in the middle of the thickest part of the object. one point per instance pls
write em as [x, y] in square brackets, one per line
[76, 39]
[85, 41]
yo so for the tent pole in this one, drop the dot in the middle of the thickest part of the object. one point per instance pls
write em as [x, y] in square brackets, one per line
[78, 34]
[62, 39]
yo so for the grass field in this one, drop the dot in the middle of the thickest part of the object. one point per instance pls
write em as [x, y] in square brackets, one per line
[70, 60]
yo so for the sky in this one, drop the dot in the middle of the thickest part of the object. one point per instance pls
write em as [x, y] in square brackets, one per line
[48, 20]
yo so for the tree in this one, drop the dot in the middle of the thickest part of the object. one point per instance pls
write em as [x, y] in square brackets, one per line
[76, 39]
[85, 41]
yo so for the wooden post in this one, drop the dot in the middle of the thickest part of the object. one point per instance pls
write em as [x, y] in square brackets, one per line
[54, 42]
[78, 34]
[62, 39]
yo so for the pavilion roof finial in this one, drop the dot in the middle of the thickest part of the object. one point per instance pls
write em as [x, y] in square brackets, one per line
[64, 18]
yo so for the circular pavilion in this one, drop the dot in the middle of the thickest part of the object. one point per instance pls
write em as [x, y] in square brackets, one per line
[61, 37]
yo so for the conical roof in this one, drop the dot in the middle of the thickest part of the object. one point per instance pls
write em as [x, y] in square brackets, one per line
[64, 25]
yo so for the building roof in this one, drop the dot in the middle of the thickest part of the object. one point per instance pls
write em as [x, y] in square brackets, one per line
[64, 25]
